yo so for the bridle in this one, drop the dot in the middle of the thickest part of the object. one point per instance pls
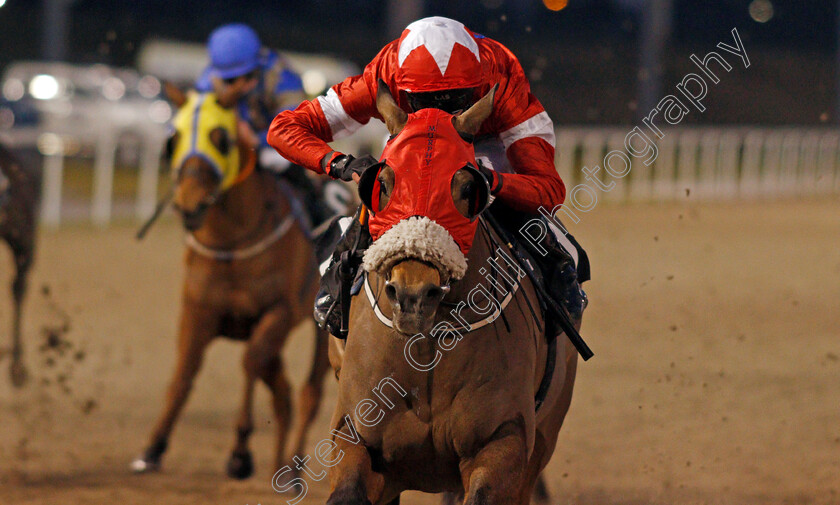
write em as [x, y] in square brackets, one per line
[195, 170]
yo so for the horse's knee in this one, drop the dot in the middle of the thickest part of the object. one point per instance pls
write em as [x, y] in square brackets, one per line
[491, 491]
[261, 363]
[19, 285]
[479, 494]
[496, 475]
[351, 493]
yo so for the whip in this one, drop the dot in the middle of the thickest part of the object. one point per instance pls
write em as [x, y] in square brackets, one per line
[161, 205]
[559, 311]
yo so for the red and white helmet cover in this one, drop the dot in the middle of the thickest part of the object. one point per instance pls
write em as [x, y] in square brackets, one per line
[435, 54]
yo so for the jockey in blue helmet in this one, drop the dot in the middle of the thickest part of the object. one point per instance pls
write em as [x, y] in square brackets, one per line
[239, 62]
[265, 86]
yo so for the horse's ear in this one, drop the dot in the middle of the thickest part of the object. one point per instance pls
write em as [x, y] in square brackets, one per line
[470, 120]
[174, 94]
[394, 117]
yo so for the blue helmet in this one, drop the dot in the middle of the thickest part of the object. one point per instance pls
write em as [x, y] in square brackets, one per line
[234, 50]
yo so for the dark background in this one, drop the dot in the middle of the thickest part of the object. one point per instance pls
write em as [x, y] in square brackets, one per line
[583, 61]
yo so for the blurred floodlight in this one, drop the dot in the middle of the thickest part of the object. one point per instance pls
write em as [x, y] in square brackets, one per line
[2, 3]
[43, 87]
[113, 88]
[555, 5]
[314, 81]
[13, 89]
[160, 112]
[761, 10]
[50, 144]
[149, 87]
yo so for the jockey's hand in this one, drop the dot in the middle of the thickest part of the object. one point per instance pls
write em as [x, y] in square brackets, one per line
[349, 168]
[247, 137]
[493, 178]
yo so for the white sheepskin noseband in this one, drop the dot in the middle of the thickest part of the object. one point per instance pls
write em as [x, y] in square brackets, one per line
[416, 238]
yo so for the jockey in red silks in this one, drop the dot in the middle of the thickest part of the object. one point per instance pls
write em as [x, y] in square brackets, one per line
[439, 63]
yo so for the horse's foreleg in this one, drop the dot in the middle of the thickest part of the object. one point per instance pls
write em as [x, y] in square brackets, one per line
[240, 465]
[17, 370]
[534, 489]
[352, 479]
[336, 354]
[309, 398]
[262, 360]
[198, 327]
[496, 475]
[540, 494]
[450, 498]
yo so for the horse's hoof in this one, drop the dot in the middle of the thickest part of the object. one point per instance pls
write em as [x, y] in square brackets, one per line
[145, 464]
[240, 465]
[19, 374]
[150, 460]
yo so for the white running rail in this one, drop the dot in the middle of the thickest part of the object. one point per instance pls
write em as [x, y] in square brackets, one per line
[716, 163]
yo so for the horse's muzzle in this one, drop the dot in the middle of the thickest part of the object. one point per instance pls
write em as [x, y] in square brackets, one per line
[414, 309]
[193, 219]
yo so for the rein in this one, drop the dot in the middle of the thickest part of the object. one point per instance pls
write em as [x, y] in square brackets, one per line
[248, 169]
[244, 173]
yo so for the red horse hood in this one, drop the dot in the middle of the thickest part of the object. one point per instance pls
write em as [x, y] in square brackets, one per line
[424, 156]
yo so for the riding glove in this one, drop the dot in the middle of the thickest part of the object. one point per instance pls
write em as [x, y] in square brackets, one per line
[344, 166]
[494, 179]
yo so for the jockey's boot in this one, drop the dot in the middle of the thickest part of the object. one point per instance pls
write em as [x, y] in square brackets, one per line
[342, 244]
[560, 276]
[562, 284]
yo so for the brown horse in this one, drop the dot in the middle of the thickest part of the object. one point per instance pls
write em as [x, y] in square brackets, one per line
[251, 275]
[19, 196]
[452, 410]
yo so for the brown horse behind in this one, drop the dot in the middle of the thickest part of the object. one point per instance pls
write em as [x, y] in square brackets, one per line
[250, 275]
[446, 411]
[18, 219]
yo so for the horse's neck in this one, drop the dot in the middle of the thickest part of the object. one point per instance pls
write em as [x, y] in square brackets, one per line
[242, 213]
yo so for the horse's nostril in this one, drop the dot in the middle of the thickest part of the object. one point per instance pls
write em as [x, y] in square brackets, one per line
[434, 293]
[391, 292]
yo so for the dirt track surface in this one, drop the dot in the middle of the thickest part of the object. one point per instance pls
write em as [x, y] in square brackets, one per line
[716, 379]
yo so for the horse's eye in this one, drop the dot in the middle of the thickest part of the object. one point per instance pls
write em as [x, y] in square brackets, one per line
[219, 138]
[386, 179]
[468, 193]
[383, 186]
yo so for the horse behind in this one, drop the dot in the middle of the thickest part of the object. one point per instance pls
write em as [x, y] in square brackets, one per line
[442, 400]
[18, 219]
[251, 275]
